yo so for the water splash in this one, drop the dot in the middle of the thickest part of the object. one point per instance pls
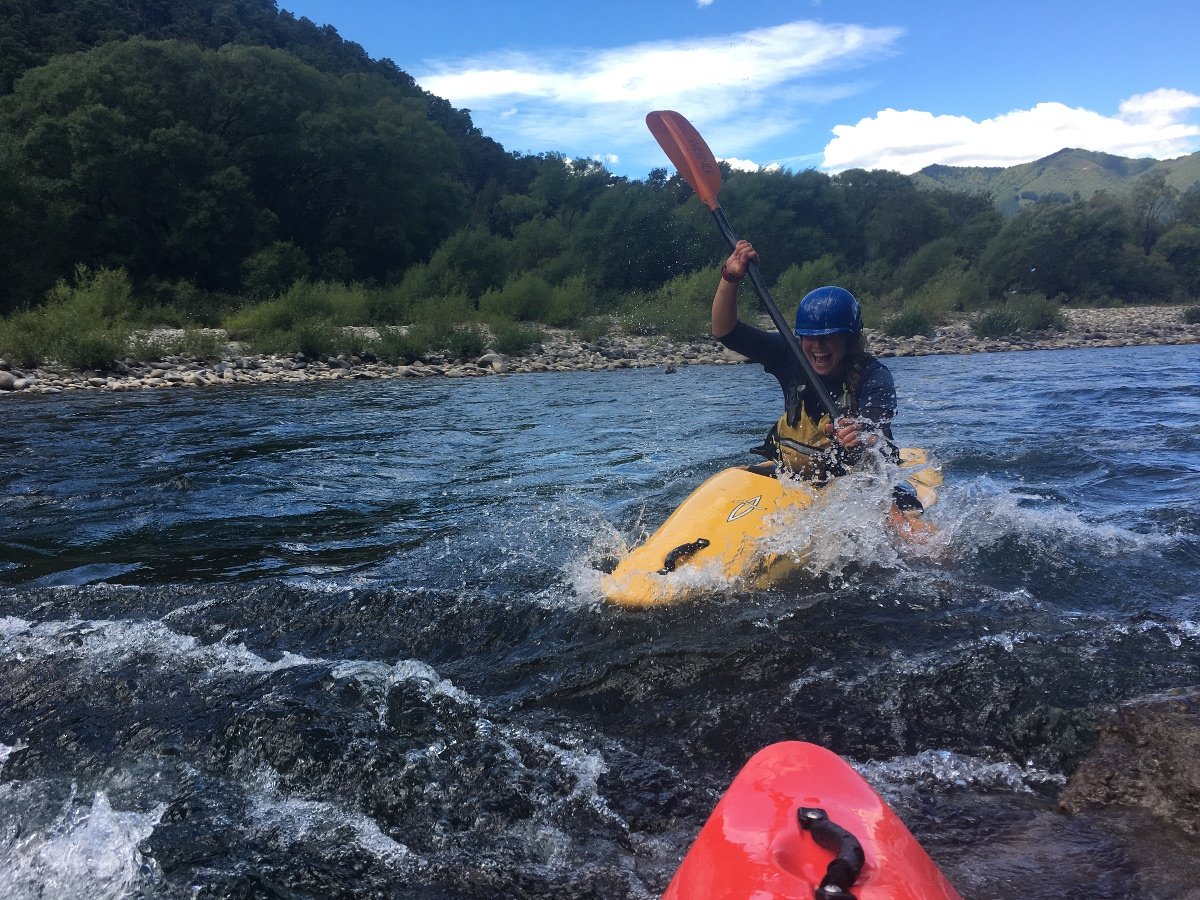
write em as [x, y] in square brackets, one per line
[113, 644]
[377, 679]
[846, 526]
[5, 752]
[86, 852]
[943, 770]
[981, 514]
[294, 822]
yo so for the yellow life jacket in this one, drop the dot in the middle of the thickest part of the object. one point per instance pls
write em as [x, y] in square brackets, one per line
[802, 445]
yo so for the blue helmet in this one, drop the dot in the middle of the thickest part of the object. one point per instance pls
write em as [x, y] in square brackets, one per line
[828, 310]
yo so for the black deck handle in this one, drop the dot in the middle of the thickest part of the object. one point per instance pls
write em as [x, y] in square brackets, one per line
[848, 859]
[681, 552]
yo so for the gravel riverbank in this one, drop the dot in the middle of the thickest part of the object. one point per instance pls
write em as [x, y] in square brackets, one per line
[563, 352]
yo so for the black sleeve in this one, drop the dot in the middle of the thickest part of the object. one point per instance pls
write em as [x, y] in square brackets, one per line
[877, 394]
[877, 399]
[764, 347]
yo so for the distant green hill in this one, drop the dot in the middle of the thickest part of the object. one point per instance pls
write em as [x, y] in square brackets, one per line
[1059, 177]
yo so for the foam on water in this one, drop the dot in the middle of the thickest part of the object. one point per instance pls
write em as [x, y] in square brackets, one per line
[378, 678]
[5, 752]
[294, 822]
[88, 851]
[115, 643]
[585, 765]
[979, 513]
[945, 770]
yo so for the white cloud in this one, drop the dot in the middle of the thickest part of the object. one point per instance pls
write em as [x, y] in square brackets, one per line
[742, 165]
[1152, 124]
[663, 71]
[739, 87]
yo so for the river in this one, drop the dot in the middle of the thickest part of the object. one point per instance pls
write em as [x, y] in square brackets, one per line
[345, 640]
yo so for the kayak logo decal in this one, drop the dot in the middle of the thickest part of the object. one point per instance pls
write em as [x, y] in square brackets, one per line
[745, 508]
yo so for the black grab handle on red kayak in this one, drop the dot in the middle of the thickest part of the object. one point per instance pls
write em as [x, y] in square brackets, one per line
[679, 552]
[848, 859]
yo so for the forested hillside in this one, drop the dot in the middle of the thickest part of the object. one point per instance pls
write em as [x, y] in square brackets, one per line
[1062, 177]
[227, 163]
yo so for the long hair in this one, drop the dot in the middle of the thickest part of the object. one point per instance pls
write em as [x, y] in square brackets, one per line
[858, 357]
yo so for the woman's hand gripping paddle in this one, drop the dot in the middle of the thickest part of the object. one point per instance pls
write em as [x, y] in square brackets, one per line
[698, 167]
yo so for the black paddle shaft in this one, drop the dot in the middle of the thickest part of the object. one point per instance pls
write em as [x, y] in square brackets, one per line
[789, 336]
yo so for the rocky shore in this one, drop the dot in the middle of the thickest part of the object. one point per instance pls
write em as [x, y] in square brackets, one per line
[564, 352]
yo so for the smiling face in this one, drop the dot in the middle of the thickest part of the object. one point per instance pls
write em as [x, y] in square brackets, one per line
[825, 352]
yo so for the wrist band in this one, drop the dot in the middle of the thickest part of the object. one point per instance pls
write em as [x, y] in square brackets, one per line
[725, 274]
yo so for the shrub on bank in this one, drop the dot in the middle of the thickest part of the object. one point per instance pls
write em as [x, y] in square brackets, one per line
[193, 343]
[594, 329]
[464, 342]
[84, 324]
[908, 323]
[1030, 312]
[798, 280]
[406, 345]
[1040, 314]
[526, 298]
[570, 303]
[952, 290]
[513, 339]
[313, 339]
[401, 345]
[681, 309]
[1191, 315]
[304, 302]
[996, 323]
[98, 348]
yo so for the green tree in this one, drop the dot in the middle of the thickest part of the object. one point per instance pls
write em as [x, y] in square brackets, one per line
[567, 188]
[635, 238]
[1150, 206]
[471, 262]
[791, 218]
[796, 281]
[274, 269]
[1180, 248]
[926, 262]
[179, 163]
[1187, 209]
[1072, 250]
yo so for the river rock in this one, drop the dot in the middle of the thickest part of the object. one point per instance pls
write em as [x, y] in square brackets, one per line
[493, 361]
[7, 381]
[1146, 756]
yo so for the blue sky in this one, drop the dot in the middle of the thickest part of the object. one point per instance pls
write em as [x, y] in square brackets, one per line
[825, 84]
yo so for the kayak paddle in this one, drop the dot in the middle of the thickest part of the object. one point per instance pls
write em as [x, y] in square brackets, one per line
[698, 167]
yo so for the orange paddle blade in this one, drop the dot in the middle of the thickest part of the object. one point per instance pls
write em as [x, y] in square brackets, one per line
[686, 149]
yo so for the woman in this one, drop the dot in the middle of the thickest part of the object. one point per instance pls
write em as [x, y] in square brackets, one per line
[829, 325]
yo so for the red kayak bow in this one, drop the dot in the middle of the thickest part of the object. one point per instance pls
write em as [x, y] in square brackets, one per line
[798, 822]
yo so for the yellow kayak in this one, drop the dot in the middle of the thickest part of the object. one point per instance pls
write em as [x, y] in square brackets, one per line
[718, 534]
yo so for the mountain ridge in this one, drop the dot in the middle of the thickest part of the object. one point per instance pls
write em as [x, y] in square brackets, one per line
[1061, 176]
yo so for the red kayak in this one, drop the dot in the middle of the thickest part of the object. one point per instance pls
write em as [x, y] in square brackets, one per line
[798, 822]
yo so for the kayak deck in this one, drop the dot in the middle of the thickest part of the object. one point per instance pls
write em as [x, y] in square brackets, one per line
[753, 845]
[716, 535]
